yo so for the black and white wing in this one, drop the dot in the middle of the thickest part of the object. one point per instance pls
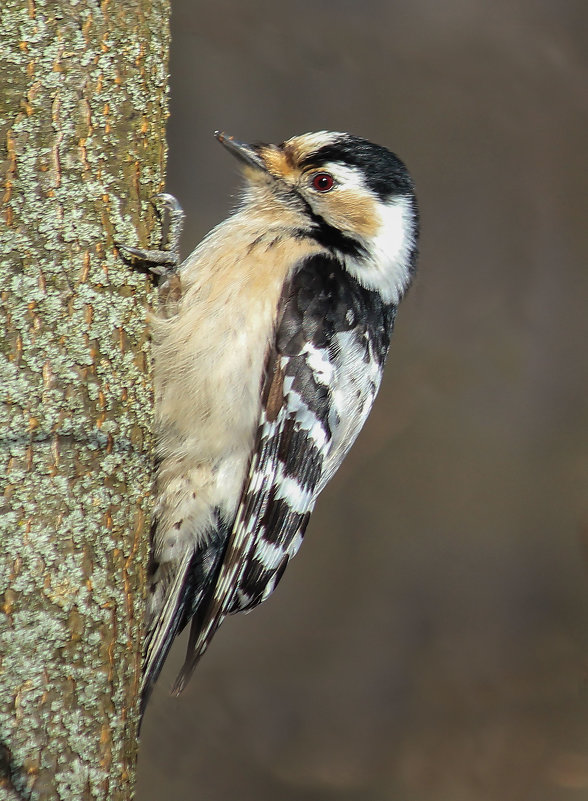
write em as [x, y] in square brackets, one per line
[323, 372]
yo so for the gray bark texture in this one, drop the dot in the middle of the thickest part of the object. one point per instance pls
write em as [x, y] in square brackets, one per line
[83, 105]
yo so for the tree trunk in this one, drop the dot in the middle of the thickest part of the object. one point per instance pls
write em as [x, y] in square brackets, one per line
[82, 114]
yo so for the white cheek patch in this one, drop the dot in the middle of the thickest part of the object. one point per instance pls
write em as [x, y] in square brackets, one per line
[395, 228]
[387, 267]
[395, 241]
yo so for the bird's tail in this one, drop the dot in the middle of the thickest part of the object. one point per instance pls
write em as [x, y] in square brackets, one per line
[163, 628]
[179, 596]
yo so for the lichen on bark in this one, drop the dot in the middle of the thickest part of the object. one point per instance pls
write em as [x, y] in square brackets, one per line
[82, 113]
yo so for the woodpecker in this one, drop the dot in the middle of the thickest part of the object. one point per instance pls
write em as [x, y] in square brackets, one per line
[269, 346]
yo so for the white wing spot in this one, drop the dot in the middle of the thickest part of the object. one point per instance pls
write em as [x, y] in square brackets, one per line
[289, 490]
[302, 414]
[319, 361]
[269, 554]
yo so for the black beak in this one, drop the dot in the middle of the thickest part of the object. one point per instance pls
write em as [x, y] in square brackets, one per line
[243, 152]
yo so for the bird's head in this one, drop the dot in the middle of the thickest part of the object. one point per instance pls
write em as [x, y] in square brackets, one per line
[353, 196]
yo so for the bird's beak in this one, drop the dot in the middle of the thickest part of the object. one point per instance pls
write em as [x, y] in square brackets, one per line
[243, 152]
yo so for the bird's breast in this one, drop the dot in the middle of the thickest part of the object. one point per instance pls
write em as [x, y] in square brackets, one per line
[210, 356]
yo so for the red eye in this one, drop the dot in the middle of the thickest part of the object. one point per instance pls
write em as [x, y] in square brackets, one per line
[322, 182]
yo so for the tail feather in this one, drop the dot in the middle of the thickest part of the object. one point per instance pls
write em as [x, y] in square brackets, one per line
[194, 652]
[167, 625]
[181, 594]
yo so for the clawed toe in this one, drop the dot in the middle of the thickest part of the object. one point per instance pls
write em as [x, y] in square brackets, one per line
[165, 260]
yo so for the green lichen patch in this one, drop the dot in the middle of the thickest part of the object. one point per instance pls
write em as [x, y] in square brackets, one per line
[82, 114]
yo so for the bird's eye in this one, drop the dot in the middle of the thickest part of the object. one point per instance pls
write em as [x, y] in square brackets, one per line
[322, 182]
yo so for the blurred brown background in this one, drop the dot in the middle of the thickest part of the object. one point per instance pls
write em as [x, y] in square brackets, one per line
[430, 641]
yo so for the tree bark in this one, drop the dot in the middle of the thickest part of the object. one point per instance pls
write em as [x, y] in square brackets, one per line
[82, 115]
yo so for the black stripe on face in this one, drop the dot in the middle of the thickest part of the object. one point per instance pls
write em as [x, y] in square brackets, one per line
[327, 235]
[383, 172]
[332, 238]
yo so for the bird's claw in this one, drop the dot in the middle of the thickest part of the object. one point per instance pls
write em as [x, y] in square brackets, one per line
[165, 260]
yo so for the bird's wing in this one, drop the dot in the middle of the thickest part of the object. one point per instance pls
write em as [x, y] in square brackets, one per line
[322, 374]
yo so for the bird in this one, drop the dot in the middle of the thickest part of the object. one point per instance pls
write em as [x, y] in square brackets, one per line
[269, 345]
